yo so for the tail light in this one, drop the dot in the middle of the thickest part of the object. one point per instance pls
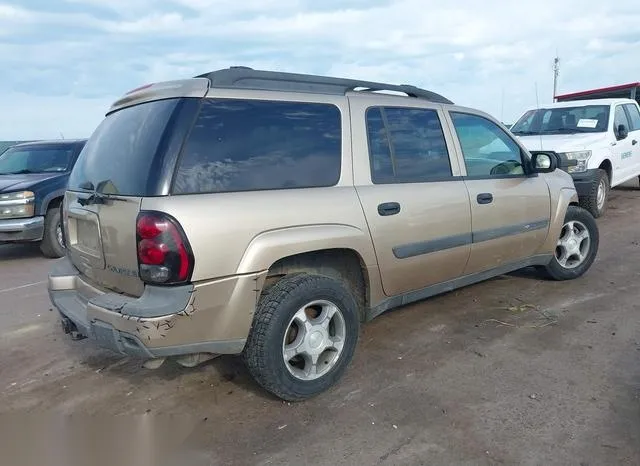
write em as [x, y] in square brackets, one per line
[164, 254]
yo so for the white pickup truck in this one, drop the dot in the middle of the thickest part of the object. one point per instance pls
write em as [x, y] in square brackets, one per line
[602, 135]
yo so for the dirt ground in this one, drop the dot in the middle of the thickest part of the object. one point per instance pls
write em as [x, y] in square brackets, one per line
[517, 370]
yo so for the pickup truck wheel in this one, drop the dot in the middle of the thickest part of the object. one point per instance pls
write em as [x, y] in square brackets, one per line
[303, 336]
[577, 246]
[596, 200]
[51, 244]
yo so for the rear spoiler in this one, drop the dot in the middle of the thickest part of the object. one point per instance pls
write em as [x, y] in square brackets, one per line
[193, 87]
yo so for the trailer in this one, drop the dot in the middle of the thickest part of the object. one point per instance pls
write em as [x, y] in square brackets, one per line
[622, 91]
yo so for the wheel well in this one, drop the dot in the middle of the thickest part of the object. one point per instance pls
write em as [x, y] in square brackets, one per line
[607, 167]
[54, 203]
[341, 264]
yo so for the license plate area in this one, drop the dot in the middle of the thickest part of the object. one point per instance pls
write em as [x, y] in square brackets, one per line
[85, 241]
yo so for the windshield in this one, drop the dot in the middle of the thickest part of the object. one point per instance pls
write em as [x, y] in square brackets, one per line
[563, 120]
[120, 156]
[22, 160]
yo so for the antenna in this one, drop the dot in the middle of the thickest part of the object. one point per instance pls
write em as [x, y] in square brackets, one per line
[556, 72]
[502, 106]
[538, 108]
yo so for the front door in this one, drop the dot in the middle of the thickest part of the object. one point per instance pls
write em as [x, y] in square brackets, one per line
[510, 208]
[414, 200]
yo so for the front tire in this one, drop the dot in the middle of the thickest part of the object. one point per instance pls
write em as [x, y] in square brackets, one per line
[303, 336]
[598, 197]
[51, 245]
[577, 246]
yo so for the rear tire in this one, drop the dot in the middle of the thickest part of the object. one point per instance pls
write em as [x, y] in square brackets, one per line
[299, 316]
[577, 246]
[50, 244]
[601, 186]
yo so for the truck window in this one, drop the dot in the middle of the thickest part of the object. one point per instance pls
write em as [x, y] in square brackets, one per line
[634, 117]
[620, 118]
[563, 120]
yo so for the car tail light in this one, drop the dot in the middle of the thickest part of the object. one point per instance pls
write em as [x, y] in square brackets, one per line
[164, 254]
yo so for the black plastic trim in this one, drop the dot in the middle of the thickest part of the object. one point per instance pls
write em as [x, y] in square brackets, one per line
[427, 247]
[433, 290]
[449, 242]
[509, 230]
[242, 77]
[156, 301]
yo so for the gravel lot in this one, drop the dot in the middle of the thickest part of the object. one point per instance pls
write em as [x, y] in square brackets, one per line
[517, 370]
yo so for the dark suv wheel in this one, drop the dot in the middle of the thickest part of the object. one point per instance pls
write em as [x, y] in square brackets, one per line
[52, 244]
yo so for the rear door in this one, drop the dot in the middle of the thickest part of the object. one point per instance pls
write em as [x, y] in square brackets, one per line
[131, 155]
[414, 200]
[510, 210]
[633, 115]
[623, 148]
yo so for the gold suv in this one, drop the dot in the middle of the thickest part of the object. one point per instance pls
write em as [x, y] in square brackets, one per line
[270, 214]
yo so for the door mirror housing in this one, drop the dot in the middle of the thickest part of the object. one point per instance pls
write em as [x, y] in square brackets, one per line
[622, 132]
[544, 161]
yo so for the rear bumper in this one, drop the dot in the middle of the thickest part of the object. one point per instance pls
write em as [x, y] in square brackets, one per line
[21, 229]
[213, 317]
[584, 182]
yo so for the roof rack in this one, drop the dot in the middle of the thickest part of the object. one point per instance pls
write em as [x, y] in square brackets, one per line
[247, 78]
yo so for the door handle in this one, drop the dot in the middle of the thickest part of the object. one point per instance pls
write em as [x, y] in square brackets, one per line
[484, 198]
[634, 142]
[388, 208]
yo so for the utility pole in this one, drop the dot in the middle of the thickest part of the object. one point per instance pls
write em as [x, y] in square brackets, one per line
[556, 72]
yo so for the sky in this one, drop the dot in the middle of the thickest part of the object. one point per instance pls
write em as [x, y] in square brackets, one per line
[63, 62]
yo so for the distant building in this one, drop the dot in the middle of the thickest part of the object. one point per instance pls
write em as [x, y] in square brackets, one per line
[625, 91]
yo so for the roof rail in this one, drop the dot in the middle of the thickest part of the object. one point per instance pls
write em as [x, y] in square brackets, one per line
[247, 78]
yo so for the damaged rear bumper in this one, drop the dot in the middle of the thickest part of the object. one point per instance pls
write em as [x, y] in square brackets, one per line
[212, 317]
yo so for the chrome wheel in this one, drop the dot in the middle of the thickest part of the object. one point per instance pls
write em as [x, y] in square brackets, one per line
[573, 245]
[314, 340]
[601, 195]
[59, 237]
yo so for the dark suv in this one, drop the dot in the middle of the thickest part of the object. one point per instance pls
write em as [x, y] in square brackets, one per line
[33, 178]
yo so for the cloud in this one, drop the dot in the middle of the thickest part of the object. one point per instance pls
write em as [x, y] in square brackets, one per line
[82, 53]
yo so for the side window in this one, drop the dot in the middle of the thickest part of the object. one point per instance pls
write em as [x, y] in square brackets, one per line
[486, 148]
[406, 145]
[620, 118]
[634, 117]
[252, 145]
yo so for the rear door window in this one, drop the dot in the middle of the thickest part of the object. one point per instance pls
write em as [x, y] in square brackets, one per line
[634, 117]
[253, 145]
[406, 145]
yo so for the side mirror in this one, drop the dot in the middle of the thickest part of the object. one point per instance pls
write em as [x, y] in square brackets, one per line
[623, 132]
[544, 161]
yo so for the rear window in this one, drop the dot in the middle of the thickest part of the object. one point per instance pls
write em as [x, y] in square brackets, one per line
[251, 145]
[120, 155]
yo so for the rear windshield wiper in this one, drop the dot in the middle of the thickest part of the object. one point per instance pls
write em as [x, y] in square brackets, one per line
[96, 197]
